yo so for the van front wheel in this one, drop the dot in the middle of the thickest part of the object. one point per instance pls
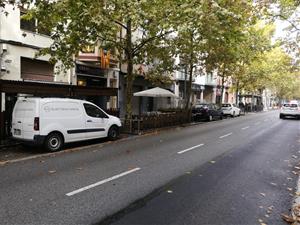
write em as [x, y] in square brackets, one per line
[54, 142]
[113, 133]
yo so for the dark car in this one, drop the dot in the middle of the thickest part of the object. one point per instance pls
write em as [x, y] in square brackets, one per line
[206, 112]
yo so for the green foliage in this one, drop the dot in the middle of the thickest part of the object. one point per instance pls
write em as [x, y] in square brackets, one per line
[214, 35]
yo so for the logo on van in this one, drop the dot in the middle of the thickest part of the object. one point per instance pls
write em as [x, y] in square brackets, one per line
[49, 109]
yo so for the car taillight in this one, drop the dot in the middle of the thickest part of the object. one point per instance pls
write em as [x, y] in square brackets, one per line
[36, 125]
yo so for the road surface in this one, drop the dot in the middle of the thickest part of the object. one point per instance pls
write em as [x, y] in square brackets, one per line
[223, 172]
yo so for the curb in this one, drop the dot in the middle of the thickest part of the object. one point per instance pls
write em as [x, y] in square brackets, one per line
[296, 205]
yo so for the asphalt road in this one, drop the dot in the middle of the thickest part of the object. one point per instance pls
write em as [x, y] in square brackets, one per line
[224, 172]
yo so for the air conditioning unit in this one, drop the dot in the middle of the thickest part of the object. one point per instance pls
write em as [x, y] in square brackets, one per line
[3, 68]
[3, 48]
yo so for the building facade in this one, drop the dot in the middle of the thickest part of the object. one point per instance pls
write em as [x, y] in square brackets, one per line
[24, 74]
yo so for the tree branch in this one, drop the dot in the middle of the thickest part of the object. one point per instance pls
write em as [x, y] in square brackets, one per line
[121, 24]
[286, 19]
[146, 41]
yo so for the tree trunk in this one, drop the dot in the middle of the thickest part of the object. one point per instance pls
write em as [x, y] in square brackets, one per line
[222, 89]
[237, 101]
[189, 88]
[129, 79]
[191, 67]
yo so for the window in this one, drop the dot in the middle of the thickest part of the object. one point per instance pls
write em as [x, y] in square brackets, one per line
[93, 111]
[290, 105]
[28, 25]
[32, 25]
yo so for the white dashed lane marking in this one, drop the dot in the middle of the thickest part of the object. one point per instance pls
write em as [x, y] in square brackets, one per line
[226, 135]
[189, 149]
[102, 182]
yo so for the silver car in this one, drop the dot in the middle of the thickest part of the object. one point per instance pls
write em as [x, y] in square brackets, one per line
[290, 110]
[230, 110]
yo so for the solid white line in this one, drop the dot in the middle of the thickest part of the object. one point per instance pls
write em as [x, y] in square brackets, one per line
[189, 149]
[226, 135]
[102, 182]
[244, 128]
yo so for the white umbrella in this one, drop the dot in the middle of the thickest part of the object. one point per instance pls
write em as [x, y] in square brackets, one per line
[156, 92]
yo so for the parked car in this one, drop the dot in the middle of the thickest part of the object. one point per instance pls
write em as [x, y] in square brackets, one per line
[54, 121]
[207, 112]
[230, 110]
[290, 110]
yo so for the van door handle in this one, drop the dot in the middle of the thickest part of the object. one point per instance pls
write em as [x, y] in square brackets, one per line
[89, 121]
[19, 122]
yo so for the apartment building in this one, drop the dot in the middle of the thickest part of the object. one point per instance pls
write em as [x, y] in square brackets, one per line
[24, 74]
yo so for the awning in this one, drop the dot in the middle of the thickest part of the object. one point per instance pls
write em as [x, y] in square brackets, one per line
[156, 92]
[53, 89]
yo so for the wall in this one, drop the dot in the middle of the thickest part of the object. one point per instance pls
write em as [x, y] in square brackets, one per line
[11, 59]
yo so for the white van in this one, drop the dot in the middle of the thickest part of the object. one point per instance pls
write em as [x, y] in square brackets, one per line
[55, 121]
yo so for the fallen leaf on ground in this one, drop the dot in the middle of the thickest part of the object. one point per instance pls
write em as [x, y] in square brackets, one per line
[287, 218]
[261, 207]
[267, 216]
[42, 161]
[260, 220]
[296, 211]
[290, 189]
[188, 172]
[269, 211]
[274, 184]
[52, 171]
[297, 167]
[169, 191]
[289, 178]
[294, 172]
[212, 162]
[297, 193]
[262, 194]
[294, 156]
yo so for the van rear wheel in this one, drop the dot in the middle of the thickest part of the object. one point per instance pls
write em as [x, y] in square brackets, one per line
[113, 133]
[54, 142]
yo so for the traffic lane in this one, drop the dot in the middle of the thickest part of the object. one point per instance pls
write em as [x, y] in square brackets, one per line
[86, 205]
[249, 184]
[50, 187]
[18, 153]
[152, 146]
[47, 193]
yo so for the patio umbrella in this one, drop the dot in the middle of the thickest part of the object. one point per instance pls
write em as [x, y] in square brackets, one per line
[156, 92]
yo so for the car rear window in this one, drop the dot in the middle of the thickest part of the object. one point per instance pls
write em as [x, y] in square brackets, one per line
[290, 105]
[201, 106]
[226, 105]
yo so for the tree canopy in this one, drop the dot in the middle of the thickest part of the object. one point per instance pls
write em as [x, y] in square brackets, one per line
[230, 37]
